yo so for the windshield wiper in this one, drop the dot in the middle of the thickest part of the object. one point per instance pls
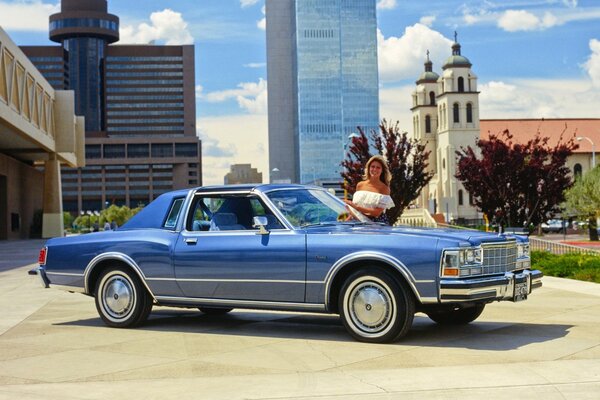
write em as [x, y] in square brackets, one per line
[323, 223]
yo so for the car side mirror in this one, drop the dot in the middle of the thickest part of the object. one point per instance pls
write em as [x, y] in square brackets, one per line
[260, 223]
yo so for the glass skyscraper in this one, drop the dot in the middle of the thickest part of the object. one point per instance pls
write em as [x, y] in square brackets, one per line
[323, 83]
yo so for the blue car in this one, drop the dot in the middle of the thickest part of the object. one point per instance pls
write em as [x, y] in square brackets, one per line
[287, 247]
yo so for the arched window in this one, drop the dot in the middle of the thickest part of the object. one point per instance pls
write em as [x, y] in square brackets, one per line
[427, 124]
[577, 170]
[469, 112]
[460, 197]
[461, 84]
[431, 98]
[455, 112]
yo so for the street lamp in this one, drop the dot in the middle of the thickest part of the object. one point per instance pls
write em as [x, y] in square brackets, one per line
[348, 140]
[273, 172]
[579, 139]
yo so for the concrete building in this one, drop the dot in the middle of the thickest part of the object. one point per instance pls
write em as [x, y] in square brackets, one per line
[323, 83]
[242, 173]
[139, 108]
[38, 127]
[446, 117]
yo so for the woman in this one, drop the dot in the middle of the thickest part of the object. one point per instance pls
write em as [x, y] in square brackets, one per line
[372, 196]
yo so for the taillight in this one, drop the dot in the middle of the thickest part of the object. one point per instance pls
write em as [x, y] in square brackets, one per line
[42, 257]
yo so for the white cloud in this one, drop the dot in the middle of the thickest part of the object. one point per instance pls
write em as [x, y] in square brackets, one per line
[250, 96]
[521, 20]
[592, 65]
[427, 20]
[233, 139]
[542, 98]
[26, 15]
[255, 65]
[199, 90]
[167, 26]
[386, 4]
[248, 3]
[403, 57]
[262, 24]
[570, 3]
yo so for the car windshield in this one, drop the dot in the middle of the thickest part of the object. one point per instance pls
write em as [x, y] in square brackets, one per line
[304, 207]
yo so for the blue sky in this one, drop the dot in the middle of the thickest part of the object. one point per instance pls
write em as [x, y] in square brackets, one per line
[534, 58]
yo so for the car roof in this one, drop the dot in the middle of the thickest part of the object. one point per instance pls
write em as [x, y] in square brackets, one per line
[262, 187]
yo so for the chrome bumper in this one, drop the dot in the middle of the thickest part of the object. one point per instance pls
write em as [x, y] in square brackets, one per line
[41, 273]
[510, 286]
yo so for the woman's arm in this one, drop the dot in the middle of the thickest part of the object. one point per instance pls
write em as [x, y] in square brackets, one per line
[371, 212]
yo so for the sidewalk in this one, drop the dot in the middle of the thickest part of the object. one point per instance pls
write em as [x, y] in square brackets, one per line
[54, 346]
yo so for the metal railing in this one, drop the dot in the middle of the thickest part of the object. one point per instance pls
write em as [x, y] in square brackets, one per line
[558, 248]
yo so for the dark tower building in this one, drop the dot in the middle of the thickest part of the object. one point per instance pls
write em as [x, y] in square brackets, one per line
[139, 107]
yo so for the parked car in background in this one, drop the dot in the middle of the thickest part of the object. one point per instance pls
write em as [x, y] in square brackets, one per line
[287, 247]
[554, 226]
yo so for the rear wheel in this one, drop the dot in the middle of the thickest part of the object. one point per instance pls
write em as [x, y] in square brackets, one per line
[376, 308]
[121, 299]
[214, 310]
[458, 316]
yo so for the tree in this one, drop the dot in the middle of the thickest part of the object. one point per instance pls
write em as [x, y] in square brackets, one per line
[516, 184]
[583, 199]
[407, 160]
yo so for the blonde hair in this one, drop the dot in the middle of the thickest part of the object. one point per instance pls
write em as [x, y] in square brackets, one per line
[386, 175]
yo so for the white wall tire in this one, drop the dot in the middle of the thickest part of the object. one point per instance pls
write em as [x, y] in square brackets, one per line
[374, 307]
[121, 300]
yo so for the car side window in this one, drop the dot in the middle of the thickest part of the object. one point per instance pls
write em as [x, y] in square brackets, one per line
[171, 219]
[228, 213]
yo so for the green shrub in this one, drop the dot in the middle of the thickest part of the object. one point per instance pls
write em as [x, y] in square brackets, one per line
[583, 267]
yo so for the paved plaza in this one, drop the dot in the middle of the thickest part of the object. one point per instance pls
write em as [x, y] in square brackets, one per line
[54, 346]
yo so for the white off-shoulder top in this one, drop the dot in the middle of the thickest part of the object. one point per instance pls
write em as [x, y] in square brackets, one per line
[364, 198]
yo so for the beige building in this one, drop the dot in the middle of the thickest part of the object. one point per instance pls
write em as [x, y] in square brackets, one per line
[38, 133]
[242, 173]
[446, 117]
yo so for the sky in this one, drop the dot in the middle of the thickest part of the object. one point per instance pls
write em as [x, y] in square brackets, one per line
[533, 59]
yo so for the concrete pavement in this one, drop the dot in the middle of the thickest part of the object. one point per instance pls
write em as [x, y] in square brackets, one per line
[54, 346]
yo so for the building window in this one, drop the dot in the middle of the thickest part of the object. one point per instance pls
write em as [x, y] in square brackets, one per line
[162, 150]
[138, 150]
[460, 198]
[471, 201]
[469, 112]
[456, 113]
[461, 84]
[114, 151]
[93, 151]
[186, 150]
[427, 124]
[431, 98]
[577, 171]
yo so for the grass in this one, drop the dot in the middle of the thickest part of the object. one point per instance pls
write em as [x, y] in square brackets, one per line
[583, 267]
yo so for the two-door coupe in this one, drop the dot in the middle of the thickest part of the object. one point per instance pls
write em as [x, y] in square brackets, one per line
[287, 247]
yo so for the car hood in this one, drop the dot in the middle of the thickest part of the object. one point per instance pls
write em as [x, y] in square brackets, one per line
[473, 237]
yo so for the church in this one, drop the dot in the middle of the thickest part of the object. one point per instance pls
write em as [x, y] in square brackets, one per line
[445, 116]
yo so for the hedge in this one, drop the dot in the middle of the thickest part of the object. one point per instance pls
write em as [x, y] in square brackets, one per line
[583, 267]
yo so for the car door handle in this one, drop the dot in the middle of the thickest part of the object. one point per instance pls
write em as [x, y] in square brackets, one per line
[191, 240]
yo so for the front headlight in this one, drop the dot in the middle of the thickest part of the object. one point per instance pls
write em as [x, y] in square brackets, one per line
[462, 262]
[522, 250]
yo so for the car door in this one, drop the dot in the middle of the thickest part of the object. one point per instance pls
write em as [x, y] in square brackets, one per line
[219, 255]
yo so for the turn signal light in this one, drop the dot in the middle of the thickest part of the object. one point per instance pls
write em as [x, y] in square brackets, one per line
[450, 271]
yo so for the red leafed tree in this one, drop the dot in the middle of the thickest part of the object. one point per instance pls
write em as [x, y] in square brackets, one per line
[516, 184]
[407, 160]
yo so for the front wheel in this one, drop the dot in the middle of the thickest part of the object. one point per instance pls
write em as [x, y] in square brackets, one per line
[376, 308]
[121, 299]
[458, 316]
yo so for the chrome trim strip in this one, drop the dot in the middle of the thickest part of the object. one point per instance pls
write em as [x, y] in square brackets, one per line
[64, 274]
[243, 303]
[234, 280]
[369, 255]
[114, 256]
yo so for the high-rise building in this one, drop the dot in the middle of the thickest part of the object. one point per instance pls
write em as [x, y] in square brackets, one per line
[139, 108]
[323, 83]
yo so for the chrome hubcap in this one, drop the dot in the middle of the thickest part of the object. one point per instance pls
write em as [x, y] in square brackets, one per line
[118, 296]
[370, 307]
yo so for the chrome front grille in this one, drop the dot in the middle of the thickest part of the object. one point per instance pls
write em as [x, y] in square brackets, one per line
[499, 257]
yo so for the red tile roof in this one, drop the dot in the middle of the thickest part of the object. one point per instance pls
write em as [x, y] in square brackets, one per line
[525, 129]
